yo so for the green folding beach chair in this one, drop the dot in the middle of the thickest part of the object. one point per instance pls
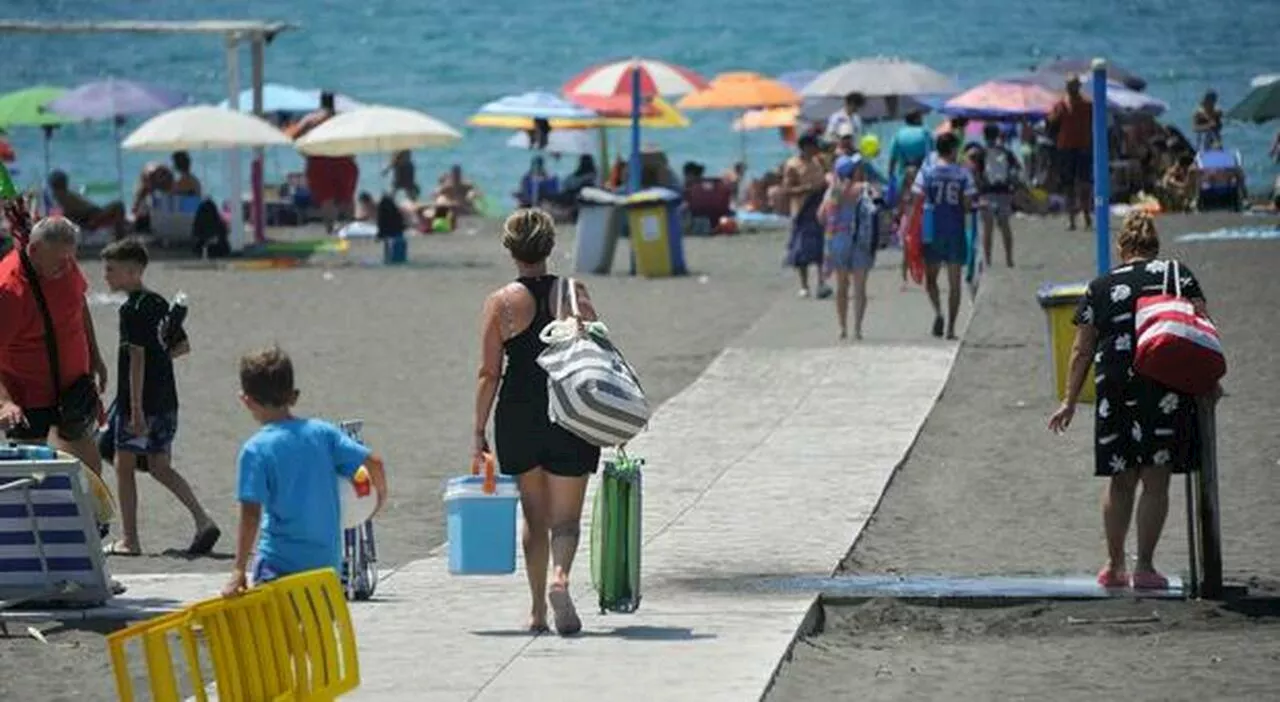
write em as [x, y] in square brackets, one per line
[615, 535]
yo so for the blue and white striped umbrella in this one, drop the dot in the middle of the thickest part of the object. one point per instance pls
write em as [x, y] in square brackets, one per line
[518, 111]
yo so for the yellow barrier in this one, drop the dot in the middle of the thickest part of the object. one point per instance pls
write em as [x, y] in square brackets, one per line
[291, 639]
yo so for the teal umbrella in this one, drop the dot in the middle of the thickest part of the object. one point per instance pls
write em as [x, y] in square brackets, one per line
[1260, 105]
[29, 108]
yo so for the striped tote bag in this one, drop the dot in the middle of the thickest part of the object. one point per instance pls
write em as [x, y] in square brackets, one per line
[1177, 345]
[594, 393]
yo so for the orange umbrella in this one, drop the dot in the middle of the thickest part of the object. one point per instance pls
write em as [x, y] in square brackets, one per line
[741, 90]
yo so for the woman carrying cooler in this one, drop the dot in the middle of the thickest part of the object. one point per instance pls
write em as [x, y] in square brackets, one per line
[551, 466]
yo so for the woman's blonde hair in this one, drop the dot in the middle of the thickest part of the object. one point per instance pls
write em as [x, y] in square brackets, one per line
[529, 234]
[1138, 234]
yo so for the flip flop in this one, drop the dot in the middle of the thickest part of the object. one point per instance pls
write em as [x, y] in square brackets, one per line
[116, 548]
[937, 327]
[204, 541]
[1149, 580]
[566, 617]
[1113, 579]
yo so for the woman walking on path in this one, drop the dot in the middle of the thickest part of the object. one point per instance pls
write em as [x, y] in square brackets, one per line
[551, 466]
[1143, 431]
[850, 215]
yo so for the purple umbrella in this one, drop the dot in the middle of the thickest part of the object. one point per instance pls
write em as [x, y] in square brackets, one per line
[112, 98]
[115, 99]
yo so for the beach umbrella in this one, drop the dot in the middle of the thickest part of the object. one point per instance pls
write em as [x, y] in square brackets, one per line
[1260, 105]
[637, 79]
[1264, 79]
[201, 127]
[1061, 68]
[519, 112]
[740, 90]
[29, 107]
[892, 86]
[768, 118]
[1003, 100]
[560, 141]
[376, 129]
[1119, 97]
[114, 99]
[289, 101]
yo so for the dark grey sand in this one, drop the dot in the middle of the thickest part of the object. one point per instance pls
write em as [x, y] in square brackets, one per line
[399, 349]
[987, 490]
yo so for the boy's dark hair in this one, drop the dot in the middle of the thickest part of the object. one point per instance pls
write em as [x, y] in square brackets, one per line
[266, 377]
[129, 250]
[947, 144]
[990, 131]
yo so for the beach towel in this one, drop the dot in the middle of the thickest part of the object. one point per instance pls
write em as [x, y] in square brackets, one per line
[804, 248]
[912, 240]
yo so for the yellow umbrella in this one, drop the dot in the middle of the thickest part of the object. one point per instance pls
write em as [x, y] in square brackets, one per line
[525, 123]
[667, 117]
[741, 90]
[769, 118]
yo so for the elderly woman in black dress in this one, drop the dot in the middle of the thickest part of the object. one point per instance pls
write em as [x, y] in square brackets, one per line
[1143, 431]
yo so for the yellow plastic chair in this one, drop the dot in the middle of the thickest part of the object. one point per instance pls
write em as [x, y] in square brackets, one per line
[288, 640]
[322, 639]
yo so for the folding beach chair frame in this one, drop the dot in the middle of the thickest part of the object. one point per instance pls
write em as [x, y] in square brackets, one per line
[60, 591]
[359, 549]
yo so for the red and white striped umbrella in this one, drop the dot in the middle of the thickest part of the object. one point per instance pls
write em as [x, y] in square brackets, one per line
[613, 80]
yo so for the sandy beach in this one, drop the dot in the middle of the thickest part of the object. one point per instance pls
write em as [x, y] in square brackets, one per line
[987, 490]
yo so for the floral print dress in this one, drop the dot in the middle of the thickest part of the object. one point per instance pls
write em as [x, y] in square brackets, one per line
[1138, 422]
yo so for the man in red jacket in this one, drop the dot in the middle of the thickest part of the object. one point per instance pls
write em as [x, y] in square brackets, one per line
[28, 399]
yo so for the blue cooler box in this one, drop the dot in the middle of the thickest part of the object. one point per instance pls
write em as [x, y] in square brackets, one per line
[481, 527]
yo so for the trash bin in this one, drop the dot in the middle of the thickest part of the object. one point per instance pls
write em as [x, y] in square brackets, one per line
[599, 226]
[1059, 301]
[657, 242]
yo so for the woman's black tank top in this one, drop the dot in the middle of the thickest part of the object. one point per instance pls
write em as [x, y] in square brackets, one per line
[524, 380]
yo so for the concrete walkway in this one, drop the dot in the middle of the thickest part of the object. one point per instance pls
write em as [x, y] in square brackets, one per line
[768, 466]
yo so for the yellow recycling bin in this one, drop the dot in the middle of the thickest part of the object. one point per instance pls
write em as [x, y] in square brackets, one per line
[657, 243]
[1059, 301]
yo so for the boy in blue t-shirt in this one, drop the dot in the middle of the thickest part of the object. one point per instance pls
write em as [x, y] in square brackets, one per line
[288, 479]
[949, 191]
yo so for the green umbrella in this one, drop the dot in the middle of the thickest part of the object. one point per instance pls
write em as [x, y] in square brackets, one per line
[1261, 104]
[26, 108]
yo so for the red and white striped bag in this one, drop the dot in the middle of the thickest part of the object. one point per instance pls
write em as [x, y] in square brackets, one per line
[1177, 346]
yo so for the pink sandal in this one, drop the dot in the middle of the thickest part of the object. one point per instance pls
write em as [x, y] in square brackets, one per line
[1112, 579]
[1150, 580]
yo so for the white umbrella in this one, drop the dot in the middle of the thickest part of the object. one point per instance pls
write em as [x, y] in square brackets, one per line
[376, 129]
[203, 127]
[1264, 79]
[560, 141]
[879, 77]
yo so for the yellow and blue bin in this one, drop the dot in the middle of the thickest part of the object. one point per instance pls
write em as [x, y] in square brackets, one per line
[1059, 301]
[657, 239]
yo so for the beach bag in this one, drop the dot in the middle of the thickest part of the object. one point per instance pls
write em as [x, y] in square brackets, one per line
[615, 535]
[1177, 346]
[593, 392]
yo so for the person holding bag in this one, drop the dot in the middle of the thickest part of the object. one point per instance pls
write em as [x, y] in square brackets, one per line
[1145, 430]
[550, 464]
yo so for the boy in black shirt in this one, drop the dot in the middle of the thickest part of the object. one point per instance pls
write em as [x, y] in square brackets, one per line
[146, 399]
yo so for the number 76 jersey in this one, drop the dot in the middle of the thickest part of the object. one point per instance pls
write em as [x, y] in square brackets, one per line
[945, 186]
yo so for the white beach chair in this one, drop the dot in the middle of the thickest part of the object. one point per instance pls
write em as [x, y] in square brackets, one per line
[50, 548]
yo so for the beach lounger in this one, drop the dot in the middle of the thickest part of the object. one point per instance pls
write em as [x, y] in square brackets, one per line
[50, 549]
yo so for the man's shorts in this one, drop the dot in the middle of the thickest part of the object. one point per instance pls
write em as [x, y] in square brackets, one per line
[1075, 168]
[39, 421]
[998, 205]
[947, 250]
[161, 428]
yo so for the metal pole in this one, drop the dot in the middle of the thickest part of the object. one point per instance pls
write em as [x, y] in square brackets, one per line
[1101, 168]
[256, 174]
[233, 154]
[1209, 523]
[637, 104]
[1193, 540]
